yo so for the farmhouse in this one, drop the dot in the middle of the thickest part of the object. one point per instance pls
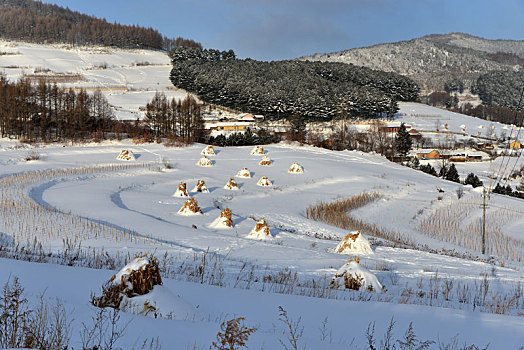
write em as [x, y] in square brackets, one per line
[225, 127]
[428, 154]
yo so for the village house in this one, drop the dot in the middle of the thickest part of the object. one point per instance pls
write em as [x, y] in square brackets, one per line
[428, 154]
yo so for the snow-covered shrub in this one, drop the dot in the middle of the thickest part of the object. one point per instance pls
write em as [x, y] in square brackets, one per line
[258, 150]
[264, 182]
[244, 173]
[260, 231]
[295, 168]
[200, 187]
[354, 243]
[204, 162]
[231, 185]
[354, 276]
[181, 191]
[126, 155]
[224, 220]
[209, 151]
[190, 207]
[265, 161]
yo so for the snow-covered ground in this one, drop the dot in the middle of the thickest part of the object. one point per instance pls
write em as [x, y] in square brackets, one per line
[128, 78]
[138, 206]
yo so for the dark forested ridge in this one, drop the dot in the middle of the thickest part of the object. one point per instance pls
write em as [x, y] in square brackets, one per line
[34, 21]
[314, 90]
[500, 88]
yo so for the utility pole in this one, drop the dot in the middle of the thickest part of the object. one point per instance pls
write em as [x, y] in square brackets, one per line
[484, 221]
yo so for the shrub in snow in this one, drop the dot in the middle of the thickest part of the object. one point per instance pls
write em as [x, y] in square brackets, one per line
[244, 173]
[231, 185]
[224, 220]
[181, 191]
[190, 207]
[137, 288]
[201, 187]
[257, 150]
[126, 154]
[295, 168]
[354, 276]
[260, 231]
[264, 182]
[354, 243]
[209, 151]
[265, 161]
[205, 162]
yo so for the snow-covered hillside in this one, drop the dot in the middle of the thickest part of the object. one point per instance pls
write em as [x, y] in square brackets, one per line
[128, 208]
[128, 78]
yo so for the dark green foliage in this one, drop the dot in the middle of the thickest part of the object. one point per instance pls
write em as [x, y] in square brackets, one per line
[38, 22]
[402, 141]
[312, 90]
[297, 130]
[262, 137]
[454, 85]
[443, 171]
[473, 180]
[428, 169]
[452, 174]
[505, 190]
[500, 88]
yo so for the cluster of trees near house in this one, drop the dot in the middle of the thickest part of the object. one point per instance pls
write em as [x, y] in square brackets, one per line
[248, 138]
[38, 22]
[280, 89]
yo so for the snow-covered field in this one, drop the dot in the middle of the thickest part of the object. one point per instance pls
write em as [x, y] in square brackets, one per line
[136, 205]
[128, 78]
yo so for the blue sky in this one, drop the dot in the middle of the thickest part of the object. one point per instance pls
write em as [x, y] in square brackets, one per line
[281, 29]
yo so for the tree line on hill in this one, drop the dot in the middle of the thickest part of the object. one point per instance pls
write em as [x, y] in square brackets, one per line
[34, 21]
[310, 90]
[46, 112]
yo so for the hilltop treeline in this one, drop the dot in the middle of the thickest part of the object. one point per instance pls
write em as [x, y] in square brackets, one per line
[34, 21]
[313, 90]
[47, 112]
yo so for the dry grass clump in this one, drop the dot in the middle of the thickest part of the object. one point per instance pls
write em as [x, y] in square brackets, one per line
[226, 215]
[260, 231]
[204, 162]
[351, 281]
[265, 161]
[139, 277]
[258, 150]
[190, 207]
[264, 182]
[201, 187]
[209, 150]
[295, 168]
[354, 242]
[337, 213]
[231, 185]
[244, 172]
[126, 155]
[181, 191]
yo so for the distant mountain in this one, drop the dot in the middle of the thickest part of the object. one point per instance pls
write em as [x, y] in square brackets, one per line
[434, 60]
[34, 21]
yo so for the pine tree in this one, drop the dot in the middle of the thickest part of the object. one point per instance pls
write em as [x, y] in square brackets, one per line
[452, 174]
[473, 180]
[402, 141]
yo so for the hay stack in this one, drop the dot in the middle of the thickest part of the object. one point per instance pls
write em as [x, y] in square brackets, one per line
[224, 220]
[231, 185]
[136, 278]
[126, 155]
[265, 161]
[244, 173]
[190, 207]
[258, 150]
[264, 182]
[354, 276]
[261, 231]
[181, 191]
[354, 243]
[208, 151]
[205, 162]
[295, 168]
[200, 187]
